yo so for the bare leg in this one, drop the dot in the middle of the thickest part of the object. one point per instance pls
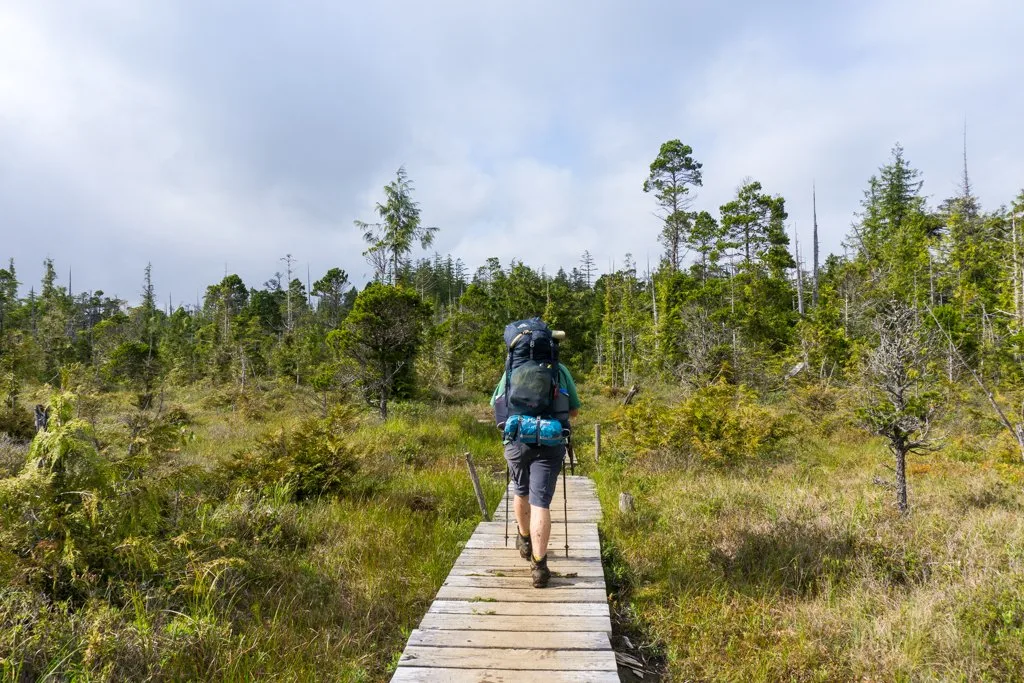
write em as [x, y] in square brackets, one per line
[521, 505]
[540, 529]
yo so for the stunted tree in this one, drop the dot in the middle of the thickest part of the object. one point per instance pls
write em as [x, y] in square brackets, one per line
[754, 222]
[8, 293]
[400, 227]
[587, 267]
[137, 365]
[330, 289]
[895, 231]
[900, 404]
[381, 336]
[673, 172]
[706, 237]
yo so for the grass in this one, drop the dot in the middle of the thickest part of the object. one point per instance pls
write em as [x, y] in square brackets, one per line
[236, 583]
[782, 561]
[796, 566]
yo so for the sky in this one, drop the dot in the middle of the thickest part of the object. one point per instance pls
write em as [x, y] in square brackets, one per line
[205, 137]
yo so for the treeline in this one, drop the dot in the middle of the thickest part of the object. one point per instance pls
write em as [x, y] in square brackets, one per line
[730, 300]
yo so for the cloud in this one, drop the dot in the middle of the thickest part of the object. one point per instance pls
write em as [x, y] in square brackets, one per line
[195, 134]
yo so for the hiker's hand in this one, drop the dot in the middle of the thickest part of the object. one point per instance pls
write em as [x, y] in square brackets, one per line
[573, 414]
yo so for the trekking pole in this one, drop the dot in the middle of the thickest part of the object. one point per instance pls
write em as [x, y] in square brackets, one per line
[565, 510]
[572, 455]
[506, 503]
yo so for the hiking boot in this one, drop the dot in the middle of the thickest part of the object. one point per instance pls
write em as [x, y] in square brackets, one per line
[540, 572]
[524, 546]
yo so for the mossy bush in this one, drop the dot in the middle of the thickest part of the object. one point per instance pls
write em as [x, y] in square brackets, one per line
[12, 455]
[717, 425]
[53, 510]
[312, 459]
[17, 423]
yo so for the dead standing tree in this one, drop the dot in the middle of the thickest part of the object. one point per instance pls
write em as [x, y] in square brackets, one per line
[900, 405]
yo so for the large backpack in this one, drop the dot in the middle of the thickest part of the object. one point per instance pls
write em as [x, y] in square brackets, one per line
[531, 372]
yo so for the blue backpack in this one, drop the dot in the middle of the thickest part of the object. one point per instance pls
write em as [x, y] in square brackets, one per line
[531, 385]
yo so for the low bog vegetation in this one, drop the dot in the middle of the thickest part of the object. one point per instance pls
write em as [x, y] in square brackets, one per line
[229, 535]
[716, 425]
[195, 543]
[794, 564]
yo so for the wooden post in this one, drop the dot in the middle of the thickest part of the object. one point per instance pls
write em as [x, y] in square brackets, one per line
[476, 487]
[625, 503]
[597, 443]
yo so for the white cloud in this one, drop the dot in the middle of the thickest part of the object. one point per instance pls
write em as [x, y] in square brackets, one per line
[195, 134]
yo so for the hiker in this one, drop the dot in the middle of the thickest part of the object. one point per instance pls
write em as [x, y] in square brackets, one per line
[534, 415]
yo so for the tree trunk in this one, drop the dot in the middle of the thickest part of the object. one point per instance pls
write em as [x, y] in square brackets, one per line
[1016, 272]
[901, 481]
[383, 403]
[814, 199]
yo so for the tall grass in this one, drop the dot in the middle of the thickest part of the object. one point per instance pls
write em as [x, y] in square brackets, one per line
[796, 565]
[225, 578]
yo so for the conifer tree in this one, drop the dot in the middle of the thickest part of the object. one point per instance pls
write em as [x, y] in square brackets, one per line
[673, 172]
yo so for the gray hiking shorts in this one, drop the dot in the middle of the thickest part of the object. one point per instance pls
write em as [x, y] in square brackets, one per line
[534, 470]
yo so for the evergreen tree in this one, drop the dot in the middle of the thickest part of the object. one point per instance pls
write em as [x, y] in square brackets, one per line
[673, 172]
[392, 239]
[330, 290]
[381, 336]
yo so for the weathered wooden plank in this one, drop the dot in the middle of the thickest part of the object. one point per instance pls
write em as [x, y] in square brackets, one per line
[523, 569]
[591, 536]
[511, 555]
[555, 532]
[514, 622]
[575, 500]
[556, 506]
[552, 594]
[496, 557]
[408, 674]
[592, 516]
[574, 493]
[573, 490]
[530, 609]
[590, 532]
[514, 659]
[499, 528]
[532, 640]
[497, 542]
[557, 518]
[522, 582]
[500, 539]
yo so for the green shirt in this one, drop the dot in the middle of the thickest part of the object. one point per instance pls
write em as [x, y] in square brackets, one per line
[565, 381]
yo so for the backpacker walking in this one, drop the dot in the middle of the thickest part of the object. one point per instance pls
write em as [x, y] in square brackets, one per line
[533, 403]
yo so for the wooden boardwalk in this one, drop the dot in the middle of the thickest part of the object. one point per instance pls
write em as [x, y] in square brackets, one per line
[488, 623]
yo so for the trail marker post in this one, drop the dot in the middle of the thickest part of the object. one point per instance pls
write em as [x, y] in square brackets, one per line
[476, 487]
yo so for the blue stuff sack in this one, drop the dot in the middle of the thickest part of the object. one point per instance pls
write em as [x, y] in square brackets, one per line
[533, 431]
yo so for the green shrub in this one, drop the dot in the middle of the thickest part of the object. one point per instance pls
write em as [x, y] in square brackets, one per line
[52, 513]
[12, 456]
[992, 616]
[717, 424]
[179, 417]
[17, 423]
[312, 459]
